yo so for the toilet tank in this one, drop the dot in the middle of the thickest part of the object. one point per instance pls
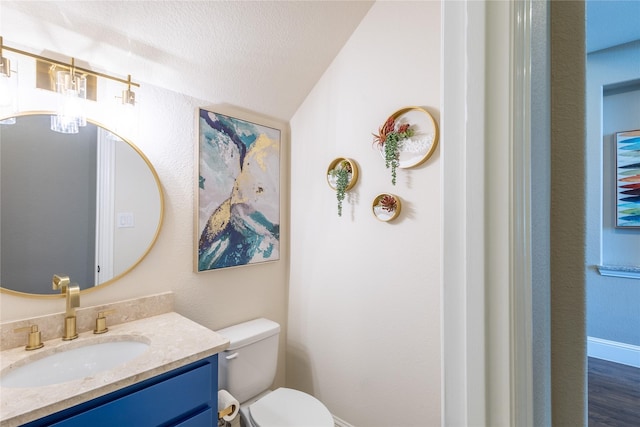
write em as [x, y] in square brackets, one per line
[248, 367]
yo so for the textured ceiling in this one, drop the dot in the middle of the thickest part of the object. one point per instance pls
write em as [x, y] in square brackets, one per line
[260, 55]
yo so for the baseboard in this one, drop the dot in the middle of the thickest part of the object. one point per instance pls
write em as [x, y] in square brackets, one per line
[340, 423]
[613, 351]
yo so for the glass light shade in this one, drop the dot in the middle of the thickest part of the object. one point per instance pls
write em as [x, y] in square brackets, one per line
[62, 124]
[72, 89]
[8, 121]
[126, 110]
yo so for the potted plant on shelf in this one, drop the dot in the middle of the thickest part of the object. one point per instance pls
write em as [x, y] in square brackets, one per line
[342, 175]
[390, 139]
[386, 207]
[388, 203]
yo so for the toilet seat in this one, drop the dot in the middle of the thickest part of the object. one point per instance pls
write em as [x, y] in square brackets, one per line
[286, 407]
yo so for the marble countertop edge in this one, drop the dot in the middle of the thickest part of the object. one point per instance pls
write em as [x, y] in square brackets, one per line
[174, 341]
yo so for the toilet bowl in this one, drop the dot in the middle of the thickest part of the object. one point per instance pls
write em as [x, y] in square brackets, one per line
[285, 407]
[247, 370]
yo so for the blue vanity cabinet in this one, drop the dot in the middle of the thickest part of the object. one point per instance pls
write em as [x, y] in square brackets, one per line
[184, 397]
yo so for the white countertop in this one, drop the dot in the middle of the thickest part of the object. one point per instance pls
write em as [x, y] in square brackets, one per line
[174, 341]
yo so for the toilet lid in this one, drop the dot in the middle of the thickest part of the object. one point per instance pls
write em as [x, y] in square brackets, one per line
[286, 407]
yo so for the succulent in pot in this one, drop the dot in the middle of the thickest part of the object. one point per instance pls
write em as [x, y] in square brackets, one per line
[388, 203]
[386, 207]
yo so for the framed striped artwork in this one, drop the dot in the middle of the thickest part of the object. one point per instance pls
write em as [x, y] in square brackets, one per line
[628, 179]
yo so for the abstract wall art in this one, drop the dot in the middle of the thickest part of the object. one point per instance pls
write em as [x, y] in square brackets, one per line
[238, 192]
[628, 179]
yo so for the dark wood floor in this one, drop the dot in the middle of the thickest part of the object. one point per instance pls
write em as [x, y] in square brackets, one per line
[614, 394]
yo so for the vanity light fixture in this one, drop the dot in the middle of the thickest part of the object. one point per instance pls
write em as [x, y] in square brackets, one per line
[5, 70]
[127, 113]
[73, 84]
[72, 90]
[8, 90]
[128, 96]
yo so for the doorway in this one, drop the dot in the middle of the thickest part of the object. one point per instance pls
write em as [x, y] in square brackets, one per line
[612, 253]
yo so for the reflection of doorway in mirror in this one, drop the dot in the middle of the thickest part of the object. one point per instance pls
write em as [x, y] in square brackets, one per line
[105, 206]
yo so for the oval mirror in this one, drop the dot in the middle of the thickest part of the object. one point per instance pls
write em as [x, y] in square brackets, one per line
[87, 205]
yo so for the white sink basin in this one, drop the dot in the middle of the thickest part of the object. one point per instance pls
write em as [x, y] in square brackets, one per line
[71, 364]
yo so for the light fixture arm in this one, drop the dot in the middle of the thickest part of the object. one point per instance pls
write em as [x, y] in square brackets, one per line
[128, 96]
[5, 65]
[71, 68]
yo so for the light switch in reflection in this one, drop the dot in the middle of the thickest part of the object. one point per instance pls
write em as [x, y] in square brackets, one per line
[125, 219]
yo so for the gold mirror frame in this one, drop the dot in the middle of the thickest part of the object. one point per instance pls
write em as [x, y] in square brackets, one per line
[156, 179]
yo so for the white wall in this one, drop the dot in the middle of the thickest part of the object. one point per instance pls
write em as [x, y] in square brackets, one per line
[364, 296]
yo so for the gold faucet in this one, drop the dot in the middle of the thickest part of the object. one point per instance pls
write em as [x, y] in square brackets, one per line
[72, 291]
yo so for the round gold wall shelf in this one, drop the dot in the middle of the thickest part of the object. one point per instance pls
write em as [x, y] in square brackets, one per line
[339, 164]
[342, 175]
[386, 207]
[416, 149]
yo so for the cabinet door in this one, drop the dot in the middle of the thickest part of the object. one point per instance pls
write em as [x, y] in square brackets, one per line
[203, 419]
[185, 397]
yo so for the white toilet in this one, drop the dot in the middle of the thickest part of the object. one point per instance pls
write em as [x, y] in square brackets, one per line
[247, 370]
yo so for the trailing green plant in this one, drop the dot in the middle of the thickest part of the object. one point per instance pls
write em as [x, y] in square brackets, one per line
[341, 174]
[389, 139]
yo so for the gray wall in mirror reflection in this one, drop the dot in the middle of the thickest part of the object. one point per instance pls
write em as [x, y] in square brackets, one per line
[48, 204]
[49, 192]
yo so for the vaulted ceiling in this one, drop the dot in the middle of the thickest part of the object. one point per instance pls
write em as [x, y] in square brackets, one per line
[260, 55]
